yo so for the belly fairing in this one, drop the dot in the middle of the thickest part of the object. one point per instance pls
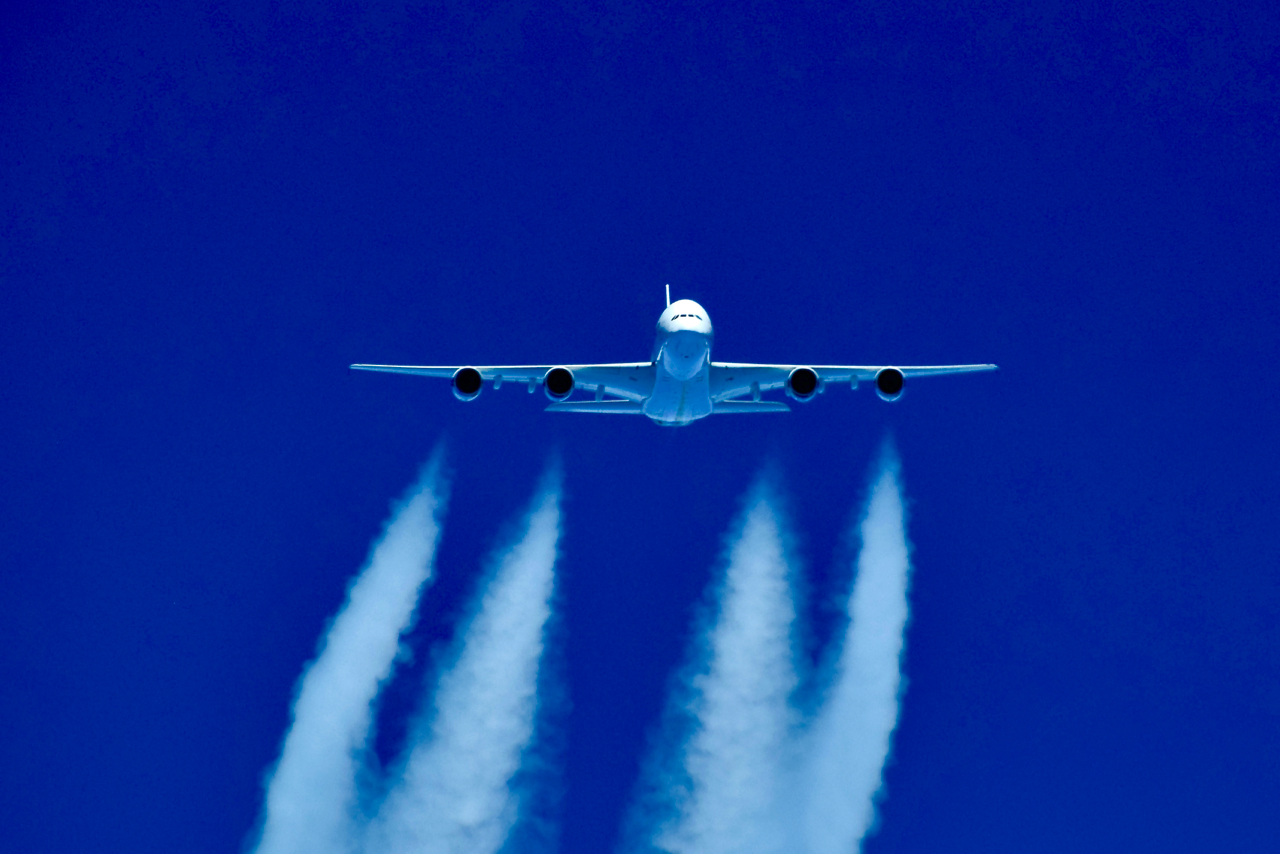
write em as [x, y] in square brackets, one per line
[678, 402]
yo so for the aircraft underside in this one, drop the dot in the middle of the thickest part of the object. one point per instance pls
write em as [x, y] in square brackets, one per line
[679, 384]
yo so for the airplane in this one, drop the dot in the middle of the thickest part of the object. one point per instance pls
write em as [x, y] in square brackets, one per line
[680, 384]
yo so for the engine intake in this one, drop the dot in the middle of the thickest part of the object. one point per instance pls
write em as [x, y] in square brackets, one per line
[889, 384]
[558, 383]
[467, 383]
[803, 384]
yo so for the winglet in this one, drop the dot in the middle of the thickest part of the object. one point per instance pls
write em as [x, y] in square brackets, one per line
[668, 295]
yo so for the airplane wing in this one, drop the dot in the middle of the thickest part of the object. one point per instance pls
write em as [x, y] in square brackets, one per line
[628, 380]
[736, 379]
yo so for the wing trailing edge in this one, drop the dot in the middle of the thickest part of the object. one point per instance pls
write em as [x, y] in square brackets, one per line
[614, 407]
[726, 407]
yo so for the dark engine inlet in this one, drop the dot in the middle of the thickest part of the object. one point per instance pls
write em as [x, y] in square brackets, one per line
[558, 383]
[803, 384]
[889, 383]
[467, 383]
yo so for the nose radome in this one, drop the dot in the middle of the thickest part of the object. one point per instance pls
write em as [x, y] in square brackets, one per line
[687, 343]
[684, 354]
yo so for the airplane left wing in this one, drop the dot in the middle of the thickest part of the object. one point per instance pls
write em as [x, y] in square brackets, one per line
[628, 380]
[736, 379]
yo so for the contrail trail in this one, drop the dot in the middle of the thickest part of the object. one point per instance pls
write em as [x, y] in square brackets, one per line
[311, 796]
[725, 795]
[850, 739]
[732, 772]
[454, 794]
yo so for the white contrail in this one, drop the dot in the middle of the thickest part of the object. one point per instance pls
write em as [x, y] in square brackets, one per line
[454, 794]
[726, 796]
[850, 739]
[311, 796]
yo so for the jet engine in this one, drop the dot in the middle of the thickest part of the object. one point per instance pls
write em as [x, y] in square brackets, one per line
[803, 384]
[467, 383]
[558, 383]
[889, 382]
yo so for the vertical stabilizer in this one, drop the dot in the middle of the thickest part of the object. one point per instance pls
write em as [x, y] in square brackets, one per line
[668, 295]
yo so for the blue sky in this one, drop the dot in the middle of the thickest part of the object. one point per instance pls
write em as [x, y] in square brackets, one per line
[210, 210]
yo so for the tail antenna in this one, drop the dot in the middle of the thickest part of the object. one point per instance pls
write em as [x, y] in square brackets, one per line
[668, 295]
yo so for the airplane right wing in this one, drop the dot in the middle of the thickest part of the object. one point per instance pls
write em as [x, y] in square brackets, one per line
[731, 380]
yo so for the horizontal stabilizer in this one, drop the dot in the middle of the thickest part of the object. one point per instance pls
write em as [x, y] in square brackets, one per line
[618, 407]
[734, 406]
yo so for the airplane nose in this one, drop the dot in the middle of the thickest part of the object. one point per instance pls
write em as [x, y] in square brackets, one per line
[683, 354]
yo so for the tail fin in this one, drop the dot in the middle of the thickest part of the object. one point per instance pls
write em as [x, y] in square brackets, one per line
[668, 295]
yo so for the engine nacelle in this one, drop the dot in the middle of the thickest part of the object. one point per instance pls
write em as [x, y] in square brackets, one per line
[467, 383]
[803, 384]
[889, 383]
[558, 383]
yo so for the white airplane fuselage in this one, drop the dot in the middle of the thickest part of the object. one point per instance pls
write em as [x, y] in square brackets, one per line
[681, 362]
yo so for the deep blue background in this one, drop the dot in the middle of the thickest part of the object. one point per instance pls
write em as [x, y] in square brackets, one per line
[210, 209]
